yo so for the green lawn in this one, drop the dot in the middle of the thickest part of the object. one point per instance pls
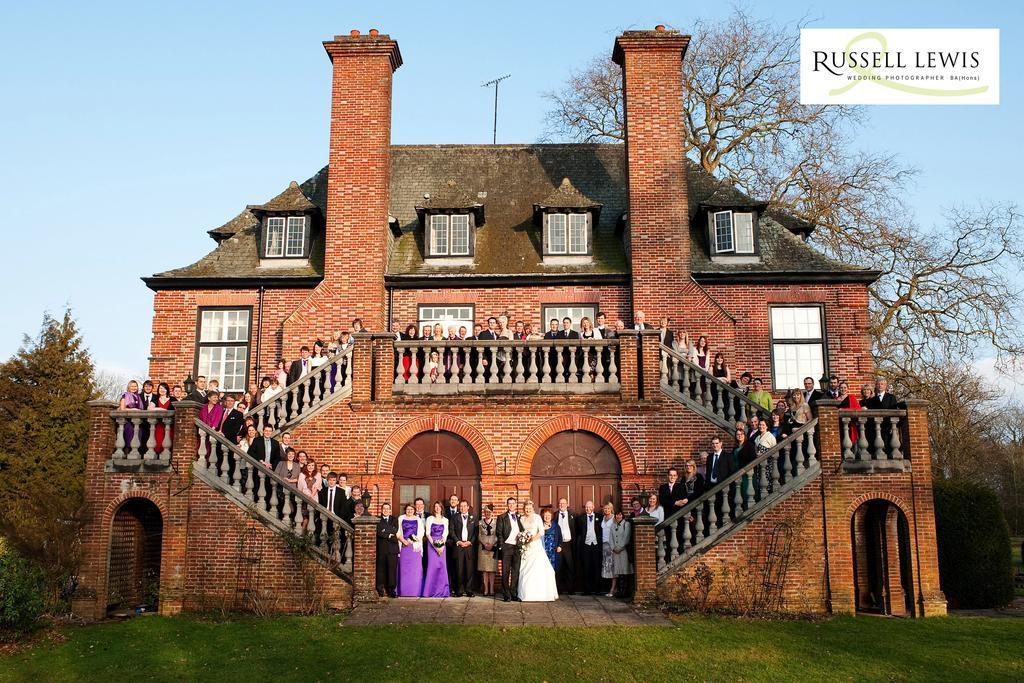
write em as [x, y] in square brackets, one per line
[317, 648]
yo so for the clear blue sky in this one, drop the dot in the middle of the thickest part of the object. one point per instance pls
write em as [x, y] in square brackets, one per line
[129, 129]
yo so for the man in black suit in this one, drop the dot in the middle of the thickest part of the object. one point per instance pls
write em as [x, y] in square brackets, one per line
[566, 521]
[811, 394]
[387, 552]
[451, 511]
[567, 331]
[234, 423]
[882, 400]
[507, 529]
[716, 470]
[300, 366]
[333, 498]
[667, 338]
[464, 533]
[490, 334]
[198, 394]
[552, 332]
[266, 449]
[638, 321]
[588, 548]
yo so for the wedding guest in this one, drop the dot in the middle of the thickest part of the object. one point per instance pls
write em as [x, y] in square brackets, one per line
[281, 373]
[464, 530]
[801, 412]
[266, 449]
[250, 435]
[198, 393]
[760, 396]
[234, 420]
[163, 401]
[764, 442]
[867, 392]
[552, 539]
[435, 580]
[332, 498]
[607, 556]
[130, 400]
[565, 573]
[410, 555]
[487, 536]
[636, 507]
[177, 393]
[589, 548]
[288, 468]
[420, 506]
[848, 401]
[507, 528]
[621, 534]
[308, 486]
[387, 553]
[654, 509]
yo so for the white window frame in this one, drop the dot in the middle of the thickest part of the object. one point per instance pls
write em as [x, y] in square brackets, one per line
[290, 223]
[279, 252]
[797, 341]
[452, 220]
[447, 314]
[740, 232]
[582, 233]
[438, 225]
[564, 229]
[216, 341]
[574, 311]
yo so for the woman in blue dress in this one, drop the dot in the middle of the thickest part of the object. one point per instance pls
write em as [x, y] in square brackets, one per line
[435, 581]
[552, 538]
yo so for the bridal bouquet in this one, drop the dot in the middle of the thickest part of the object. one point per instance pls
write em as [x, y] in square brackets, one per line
[522, 539]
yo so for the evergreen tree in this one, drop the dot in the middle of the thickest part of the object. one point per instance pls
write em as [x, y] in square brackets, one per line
[44, 430]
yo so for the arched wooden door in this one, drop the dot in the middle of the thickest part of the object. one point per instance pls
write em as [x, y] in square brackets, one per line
[578, 466]
[433, 466]
[136, 535]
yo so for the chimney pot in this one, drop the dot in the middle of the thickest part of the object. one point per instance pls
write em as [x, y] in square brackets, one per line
[354, 32]
[374, 32]
[659, 27]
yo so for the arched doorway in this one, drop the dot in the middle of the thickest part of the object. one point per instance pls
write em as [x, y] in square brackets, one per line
[136, 533]
[882, 573]
[578, 466]
[433, 466]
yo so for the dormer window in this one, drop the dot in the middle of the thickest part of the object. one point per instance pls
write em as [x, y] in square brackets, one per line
[449, 235]
[733, 232]
[567, 234]
[286, 236]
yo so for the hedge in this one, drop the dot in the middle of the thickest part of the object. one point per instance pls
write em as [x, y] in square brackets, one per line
[22, 593]
[975, 565]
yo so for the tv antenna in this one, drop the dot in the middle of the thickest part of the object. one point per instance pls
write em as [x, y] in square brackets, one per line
[495, 82]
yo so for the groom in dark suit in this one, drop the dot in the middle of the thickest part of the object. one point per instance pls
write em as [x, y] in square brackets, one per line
[588, 548]
[508, 527]
[463, 547]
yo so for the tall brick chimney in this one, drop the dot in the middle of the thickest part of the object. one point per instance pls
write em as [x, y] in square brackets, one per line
[659, 223]
[359, 177]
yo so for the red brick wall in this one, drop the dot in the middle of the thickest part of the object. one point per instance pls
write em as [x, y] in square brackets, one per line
[659, 243]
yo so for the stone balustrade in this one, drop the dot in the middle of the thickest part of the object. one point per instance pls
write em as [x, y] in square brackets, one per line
[280, 505]
[873, 440]
[574, 366]
[753, 487]
[705, 393]
[142, 436]
[307, 394]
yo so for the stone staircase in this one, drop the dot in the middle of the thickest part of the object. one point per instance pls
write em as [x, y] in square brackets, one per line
[270, 499]
[745, 495]
[308, 395]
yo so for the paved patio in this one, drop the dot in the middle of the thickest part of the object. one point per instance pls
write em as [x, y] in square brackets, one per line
[571, 610]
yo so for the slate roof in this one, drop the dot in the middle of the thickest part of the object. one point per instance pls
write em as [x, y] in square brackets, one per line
[566, 196]
[291, 200]
[509, 180]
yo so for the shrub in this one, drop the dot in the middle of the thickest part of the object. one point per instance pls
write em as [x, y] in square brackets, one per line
[22, 591]
[975, 567]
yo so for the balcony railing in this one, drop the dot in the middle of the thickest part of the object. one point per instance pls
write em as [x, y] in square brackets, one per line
[574, 366]
[873, 439]
[142, 436]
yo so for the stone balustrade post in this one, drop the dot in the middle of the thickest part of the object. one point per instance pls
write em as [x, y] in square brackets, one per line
[364, 560]
[645, 563]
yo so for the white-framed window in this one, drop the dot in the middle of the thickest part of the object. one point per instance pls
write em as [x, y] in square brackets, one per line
[567, 233]
[275, 237]
[449, 235]
[576, 312]
[295, 244]
[222, 346]
[798, 345]
[733, 232]
[457, 315]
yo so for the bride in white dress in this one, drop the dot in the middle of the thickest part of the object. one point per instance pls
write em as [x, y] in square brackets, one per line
[536, 575]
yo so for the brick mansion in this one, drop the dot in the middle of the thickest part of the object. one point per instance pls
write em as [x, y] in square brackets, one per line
[424, 397]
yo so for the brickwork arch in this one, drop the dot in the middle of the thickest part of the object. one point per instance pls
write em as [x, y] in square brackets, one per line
[115, 505]
[435, 423]
[878, 495]
[574, 422]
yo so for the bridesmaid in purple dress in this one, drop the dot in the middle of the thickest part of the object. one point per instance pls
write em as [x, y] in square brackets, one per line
[410, 554]
[130, 400]
[435, 583]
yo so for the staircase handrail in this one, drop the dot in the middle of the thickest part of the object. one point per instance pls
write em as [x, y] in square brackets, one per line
[284, 392]
[266, 471]
[724, 386]
[747, 469]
